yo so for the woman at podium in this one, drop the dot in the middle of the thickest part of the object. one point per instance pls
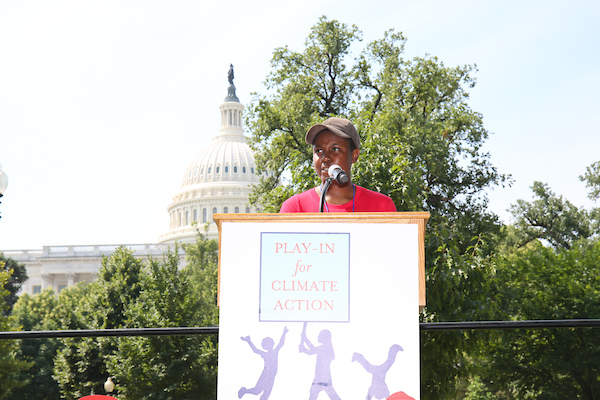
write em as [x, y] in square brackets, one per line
[336, 146]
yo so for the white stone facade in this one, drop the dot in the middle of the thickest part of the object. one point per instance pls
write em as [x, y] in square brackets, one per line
[59, 267]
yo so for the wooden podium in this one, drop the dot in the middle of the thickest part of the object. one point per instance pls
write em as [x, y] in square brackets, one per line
[313, 303]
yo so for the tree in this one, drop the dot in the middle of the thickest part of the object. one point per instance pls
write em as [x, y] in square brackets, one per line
[80, 367]
[420, 143]
[592, 181]
[541, 282]
[202, 258]
[10, 365]
[550, 218]
[35, 313]
[17, 277]
[548, 269]
[131, 293]
[181, 366]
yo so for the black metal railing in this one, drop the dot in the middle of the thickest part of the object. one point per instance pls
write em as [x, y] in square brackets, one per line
[424, 326]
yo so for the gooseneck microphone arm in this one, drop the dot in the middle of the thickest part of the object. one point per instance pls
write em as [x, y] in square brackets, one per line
[324, 189]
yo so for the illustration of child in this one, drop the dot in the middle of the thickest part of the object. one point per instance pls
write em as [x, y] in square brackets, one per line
[270, 356]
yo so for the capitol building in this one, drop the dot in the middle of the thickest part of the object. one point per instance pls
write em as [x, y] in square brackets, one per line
[218, 180]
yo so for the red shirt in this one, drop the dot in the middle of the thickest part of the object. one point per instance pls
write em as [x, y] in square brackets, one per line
[365, 200]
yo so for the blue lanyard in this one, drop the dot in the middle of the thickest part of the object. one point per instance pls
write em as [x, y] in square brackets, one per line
[353, 195]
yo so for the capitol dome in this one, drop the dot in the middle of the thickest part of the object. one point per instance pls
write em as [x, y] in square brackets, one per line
[218, 180]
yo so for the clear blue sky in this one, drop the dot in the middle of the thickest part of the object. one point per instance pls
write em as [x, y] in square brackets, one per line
[104, 103]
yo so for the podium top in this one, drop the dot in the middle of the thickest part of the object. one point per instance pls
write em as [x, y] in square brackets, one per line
[417, 218]
[375, 217]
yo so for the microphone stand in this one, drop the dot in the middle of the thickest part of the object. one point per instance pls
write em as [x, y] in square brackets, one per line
[324, 189]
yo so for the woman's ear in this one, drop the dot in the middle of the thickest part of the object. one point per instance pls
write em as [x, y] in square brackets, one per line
[355, 154]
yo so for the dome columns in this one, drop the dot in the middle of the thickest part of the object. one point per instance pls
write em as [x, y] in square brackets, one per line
[231, 116]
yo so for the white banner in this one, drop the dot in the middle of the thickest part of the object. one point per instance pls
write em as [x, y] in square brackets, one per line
[318, 311]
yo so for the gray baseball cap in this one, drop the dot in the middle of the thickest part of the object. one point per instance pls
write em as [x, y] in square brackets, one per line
[338, 126]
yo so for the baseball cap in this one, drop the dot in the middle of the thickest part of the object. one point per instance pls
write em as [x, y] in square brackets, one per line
[338, 126]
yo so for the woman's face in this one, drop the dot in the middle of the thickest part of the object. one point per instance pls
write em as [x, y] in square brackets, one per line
[329, 149]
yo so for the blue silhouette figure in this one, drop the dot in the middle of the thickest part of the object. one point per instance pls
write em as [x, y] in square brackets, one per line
[270, 356]
[325, 355]
[378, 388]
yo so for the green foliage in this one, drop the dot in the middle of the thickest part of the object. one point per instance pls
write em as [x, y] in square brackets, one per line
[460, 287]
[547, 268]
[70, 311]
[179, 365]
[37, 313]
[80, 367]
[118, 285]
[425, 139]
[18, 276]
[546, 283]
[550, 218]
[202, 259]
[477, 390]
[421, 144]
[592, 180]
[130, 293]
[10, 366]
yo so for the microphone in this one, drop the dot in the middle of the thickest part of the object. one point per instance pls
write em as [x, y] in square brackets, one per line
[337, 173]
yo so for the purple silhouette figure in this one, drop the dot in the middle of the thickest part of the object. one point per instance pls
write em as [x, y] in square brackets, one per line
[378, 388]
[270, 356]
[325, 356]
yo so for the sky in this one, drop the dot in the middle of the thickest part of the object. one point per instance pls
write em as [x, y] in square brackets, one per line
[104, 103]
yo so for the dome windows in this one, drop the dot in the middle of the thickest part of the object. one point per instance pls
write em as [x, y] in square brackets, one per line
[237, 210]
[223, 161]
[247, 210]
[225, 210]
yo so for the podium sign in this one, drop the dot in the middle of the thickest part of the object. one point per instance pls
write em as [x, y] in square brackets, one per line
[320, 305]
